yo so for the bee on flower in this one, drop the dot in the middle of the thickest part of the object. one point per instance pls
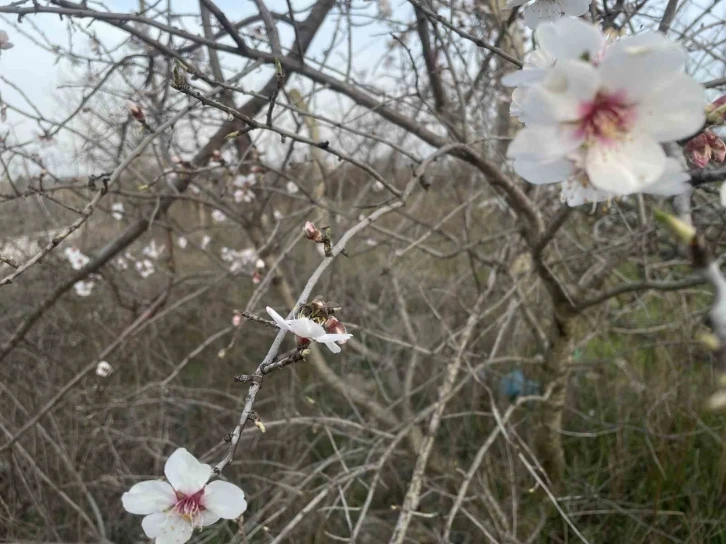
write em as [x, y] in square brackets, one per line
[315, 322]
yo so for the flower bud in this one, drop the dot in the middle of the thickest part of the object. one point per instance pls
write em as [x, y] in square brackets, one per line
[698, 151]
[680, 228]
[217, 155]
[718, 148]
[237, 319]
[716, 111]
[256, 277]
[334, 326]
[313, 233]
[135, 110]
[260, 425]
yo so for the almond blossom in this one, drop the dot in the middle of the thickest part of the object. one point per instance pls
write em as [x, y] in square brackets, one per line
[173, 509]
[307, 328]
[542, 11]
[77, 259]
[598, 115]
[104, 369]
[244, 193]
[117, 210]
[83, 288]
[218, 216]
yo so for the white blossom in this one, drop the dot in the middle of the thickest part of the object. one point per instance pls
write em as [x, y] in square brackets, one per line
[218, 216]
[173, 509]
[239, 259]
[83, 288]
[145, 268]
[205, 241]
[121, 263]
[277, 215]
[153, 251]
[117, 210]
[244, 181]
[181, 242]
[597, 117]
[77, 259]
[103, 369]
[307, 328]
[292, 187]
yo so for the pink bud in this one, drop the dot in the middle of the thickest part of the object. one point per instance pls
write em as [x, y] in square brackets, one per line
[719, 101]
[256, 277]
[237, 319]
[334, 326]
[718, 148]
[135, 110]
[312, 233]
[698, 150]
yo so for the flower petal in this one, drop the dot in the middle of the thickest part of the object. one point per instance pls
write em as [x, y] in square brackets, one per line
[637, 70]
[208, 518]
[185, 473]
[524, 77]
[570, 38]
[149, 497]
[167, 529]
[306, 328]
[626, 166]
[559, 97]
[544, 172]
[575, 8]
[541, 11]
[674, 110]
[674, 181]
[332, 346]
[277, 318]
[336, 337]
[224, 499]
[543, 143]
[576, 194]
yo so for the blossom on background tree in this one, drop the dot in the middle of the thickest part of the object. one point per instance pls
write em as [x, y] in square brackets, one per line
[543, 11]
[306, 328]
[117, 210]
[597, 116]
[173, 509]
[104, 369]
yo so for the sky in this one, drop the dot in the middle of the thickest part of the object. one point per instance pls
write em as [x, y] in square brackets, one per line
[46, 81]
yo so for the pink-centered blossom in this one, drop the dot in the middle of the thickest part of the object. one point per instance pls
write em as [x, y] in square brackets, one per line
[307, 328]
[173, 509]
[598, 115]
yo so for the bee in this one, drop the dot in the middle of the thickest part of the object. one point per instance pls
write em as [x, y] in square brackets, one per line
[318, 310]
